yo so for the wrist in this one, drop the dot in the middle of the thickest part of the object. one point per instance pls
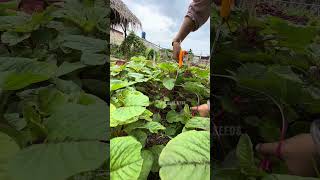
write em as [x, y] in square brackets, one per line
[174, 41]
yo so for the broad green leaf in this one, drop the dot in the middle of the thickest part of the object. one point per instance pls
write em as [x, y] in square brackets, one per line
[169, 83]
[137, 76]
[197, 88]
[148, 159]
[118, 84]
[7, 151]
[187, 156]
[125, 115]
[154, 127]
[173, 116]
[156, 151]
[73, 121]
[13, 38]
[160, 104]
[35, 21]
[186, 110]
[135, 125]
[9, 22]
[84, 43]
[66, 86]
[244, 152]
[286, 73]
[50, 99]
[88, 17]
[168, 67]
[67, 67]
[278, 82]
[294, 37]
[125, 161]
[17, 73]
[57, 161]
[198, 123]
[135, 98]
[115, 70]
[14, 120]
[90, 99]
[202, 73]
[140, 135]
[146, 115]
[93, 59]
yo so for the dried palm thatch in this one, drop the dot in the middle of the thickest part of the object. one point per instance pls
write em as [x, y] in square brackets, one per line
[122, 16]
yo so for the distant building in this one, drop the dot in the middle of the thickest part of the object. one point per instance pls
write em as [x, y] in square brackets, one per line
[116, 37]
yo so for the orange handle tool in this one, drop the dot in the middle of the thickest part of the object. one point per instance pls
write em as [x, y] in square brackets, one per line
[181, 56]
[226, 7]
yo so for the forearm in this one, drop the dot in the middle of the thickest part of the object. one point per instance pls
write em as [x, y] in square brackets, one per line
[187, 26]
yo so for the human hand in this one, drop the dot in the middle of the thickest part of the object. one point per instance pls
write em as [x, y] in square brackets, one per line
[202, 109]
[176, 50]
[297, 152]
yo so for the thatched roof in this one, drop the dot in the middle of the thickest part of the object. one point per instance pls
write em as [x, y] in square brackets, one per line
[120, 14]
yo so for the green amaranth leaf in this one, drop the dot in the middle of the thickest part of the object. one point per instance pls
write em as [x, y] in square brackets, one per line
[57, 161]
[17, 73]
[50, 99]
[67, 67]
[140, 135]
[154, 127]
[125, 161]
[187, 156]
[8, 150]
[173, 116]
[15, 121]
[196, 87]
[198, 123]
[135, 98]
[148, 159]
[160, 104]
[125, 115]
[169, 83]
[118, 84]
[9, 22]
[13, 38]
[93, 59]
[244, 152]
[84, 43]
[156, 151]
[73, 121]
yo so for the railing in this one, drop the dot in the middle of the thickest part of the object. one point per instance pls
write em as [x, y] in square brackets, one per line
[313, 7]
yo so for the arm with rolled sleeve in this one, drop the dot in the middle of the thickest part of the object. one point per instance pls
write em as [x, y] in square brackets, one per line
[199, 12]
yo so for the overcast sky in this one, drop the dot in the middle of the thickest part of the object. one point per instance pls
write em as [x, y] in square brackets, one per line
[161, 21]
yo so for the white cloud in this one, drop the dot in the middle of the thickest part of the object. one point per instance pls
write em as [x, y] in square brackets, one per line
[157, 26]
